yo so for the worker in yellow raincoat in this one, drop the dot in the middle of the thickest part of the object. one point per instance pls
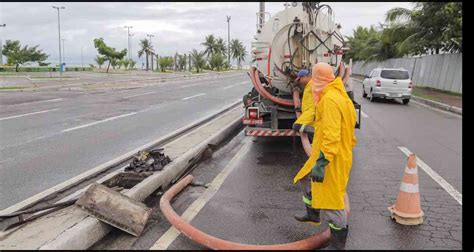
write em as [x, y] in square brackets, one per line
[305, 121]
[327, 169]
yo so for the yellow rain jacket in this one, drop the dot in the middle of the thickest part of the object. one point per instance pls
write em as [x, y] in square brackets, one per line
[307, 107]
[334, 135]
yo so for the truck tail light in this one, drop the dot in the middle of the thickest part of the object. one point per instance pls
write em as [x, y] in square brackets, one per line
[378, 83]
[253, 113]
[410, 85]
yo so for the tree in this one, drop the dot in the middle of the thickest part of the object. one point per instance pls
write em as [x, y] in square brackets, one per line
[198, 59]
[433, 26]
[189, 63]
[238, 51]
[132, 64]
[126, 63]
[210, 45]
[182, 62]
[217, 61]
[165, 62]
[18, 56]
[147, 49]
[157, 58]
[99, 60]
[109, 53]
[221, 47]
[113, 62]
[175, 61]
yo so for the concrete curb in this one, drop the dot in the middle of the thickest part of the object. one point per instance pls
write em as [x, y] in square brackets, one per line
[90, 230]
[438, 105]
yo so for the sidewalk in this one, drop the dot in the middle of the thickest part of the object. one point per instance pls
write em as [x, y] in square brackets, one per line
[439, 96]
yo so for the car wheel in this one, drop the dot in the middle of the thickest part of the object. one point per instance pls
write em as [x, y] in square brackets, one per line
[372, 98]
[406, 101]
[364, 94]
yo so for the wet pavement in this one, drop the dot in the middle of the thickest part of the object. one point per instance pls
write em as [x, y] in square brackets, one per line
[257, 201]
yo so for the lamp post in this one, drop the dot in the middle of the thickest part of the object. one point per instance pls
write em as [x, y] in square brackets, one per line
[129, 42]
[150, 36]
[59, 39]
[82, 58]
[228, 40]
[64, 52]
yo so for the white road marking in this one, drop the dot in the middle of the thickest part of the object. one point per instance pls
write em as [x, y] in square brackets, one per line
[436, 177]
[33, 113]
[138, 95]
[52, 100]
[101, 121]
[364, 114]
[190, 97]
[240, 83]
[172, 233]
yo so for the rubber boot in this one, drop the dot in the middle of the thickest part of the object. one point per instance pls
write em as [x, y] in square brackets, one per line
[338, 239]
[311, 216]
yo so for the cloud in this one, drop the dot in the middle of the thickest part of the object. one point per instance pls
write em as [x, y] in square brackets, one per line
[176, 26]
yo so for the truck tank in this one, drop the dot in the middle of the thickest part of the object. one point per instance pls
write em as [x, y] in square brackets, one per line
[301, 35]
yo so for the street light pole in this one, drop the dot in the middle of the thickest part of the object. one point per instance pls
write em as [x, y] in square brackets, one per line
[150, 36]
[228, 40]
[1, 46]
[129, 42]
[82, 58]
[64, 52]
[131, 47]
[59, 39]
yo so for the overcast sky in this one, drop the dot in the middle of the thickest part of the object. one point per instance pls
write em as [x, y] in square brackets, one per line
[176, 26]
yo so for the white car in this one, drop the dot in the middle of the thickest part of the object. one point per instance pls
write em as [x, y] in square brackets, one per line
[388, 83]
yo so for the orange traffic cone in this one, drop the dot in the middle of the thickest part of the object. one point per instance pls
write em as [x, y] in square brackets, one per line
[407, 208]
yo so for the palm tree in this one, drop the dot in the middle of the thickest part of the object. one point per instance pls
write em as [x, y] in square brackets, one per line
[221, 47]
[210, 44]
[132, 64]
[432, 26]
[147, 49]
[217, 61]
[238, 51]
[126, 63]
[182, 62]
[165, 62]
[234, 48]
[99, 60]
[198, 59]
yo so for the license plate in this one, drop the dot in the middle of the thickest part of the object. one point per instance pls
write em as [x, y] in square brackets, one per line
[395, 95]
[253, 121]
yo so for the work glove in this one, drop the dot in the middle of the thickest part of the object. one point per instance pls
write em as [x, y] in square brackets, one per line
[303, 128]
[318, 170]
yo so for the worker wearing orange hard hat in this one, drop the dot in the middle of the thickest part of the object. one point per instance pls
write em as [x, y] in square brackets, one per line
[326, 172]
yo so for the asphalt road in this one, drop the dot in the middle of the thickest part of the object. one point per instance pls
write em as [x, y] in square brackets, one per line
[48, 137]
[257, 201]
[44, 80]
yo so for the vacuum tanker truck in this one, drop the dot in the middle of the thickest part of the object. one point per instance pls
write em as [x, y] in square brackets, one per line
[301, 35]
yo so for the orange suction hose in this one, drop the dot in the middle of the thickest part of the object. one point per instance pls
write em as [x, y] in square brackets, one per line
[316, 241]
